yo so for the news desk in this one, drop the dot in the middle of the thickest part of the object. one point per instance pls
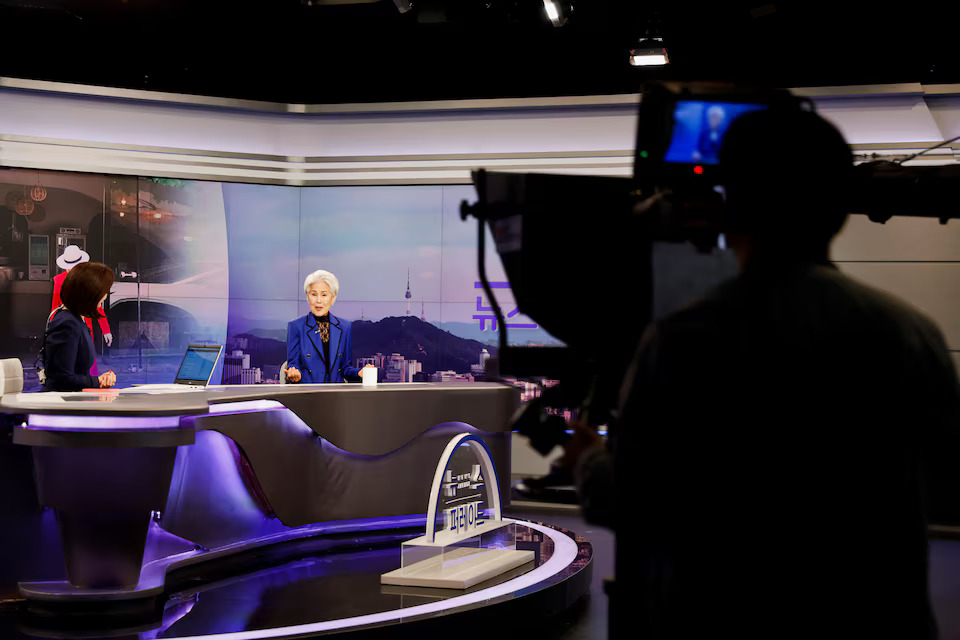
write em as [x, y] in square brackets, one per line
[133, 485]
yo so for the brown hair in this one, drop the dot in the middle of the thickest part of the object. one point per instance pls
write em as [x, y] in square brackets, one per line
[83, 287]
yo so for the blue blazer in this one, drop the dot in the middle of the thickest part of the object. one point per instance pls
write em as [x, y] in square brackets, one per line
[305, 350]
[68, 354]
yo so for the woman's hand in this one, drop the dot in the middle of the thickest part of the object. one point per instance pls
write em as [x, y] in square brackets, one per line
[293, 375]
[366, 366]
[107, 379]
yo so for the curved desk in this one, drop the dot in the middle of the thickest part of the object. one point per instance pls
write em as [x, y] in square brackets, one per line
[234, 467]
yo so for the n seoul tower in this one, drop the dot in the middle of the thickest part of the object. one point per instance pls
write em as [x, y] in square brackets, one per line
[408, 296]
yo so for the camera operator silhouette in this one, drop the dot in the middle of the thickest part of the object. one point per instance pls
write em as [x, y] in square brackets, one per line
[766, 474]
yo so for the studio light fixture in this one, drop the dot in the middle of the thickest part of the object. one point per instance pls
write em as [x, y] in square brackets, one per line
[554, 12]
[649, 52]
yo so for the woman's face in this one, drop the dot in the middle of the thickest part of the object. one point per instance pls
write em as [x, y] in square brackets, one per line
[102, 300]
[320, 298]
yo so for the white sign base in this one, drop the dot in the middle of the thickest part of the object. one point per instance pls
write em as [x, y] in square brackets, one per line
[460, 568]
[473, 544]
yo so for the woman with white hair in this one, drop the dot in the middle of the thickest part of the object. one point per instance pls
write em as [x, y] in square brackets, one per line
[319, 345]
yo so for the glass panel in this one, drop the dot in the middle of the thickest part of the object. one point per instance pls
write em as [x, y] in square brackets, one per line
[41, 213]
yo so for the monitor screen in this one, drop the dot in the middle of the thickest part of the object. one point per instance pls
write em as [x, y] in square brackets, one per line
[198, 364]
[699, 127]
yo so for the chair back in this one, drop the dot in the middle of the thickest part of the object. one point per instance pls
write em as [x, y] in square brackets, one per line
[11, 376]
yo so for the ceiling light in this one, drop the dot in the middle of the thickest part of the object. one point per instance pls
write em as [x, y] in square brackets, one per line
[649, 52]
[553, 12]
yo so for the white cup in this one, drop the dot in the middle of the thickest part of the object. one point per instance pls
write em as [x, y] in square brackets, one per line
[369, 376]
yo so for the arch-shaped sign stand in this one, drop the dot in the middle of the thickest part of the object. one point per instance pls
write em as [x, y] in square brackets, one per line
[472, 546]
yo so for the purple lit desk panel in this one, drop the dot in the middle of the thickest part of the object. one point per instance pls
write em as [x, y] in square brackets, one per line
[235, 467]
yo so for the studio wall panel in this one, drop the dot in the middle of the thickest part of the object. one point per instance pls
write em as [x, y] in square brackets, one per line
[188, 127]
[899, 239]
[932, 288]
[946, 113]
[881, 119]
[126, 122]
[67, 127]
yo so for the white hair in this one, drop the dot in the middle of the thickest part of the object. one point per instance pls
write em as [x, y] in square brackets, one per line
[322, 276]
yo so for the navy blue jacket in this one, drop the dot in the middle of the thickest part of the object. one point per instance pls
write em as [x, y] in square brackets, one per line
[305, 350]
[68, 354]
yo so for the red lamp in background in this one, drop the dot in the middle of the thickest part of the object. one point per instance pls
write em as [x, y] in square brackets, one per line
[24, 205]
[38, 193]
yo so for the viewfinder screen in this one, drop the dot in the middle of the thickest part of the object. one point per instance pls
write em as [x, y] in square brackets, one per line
[699, 127]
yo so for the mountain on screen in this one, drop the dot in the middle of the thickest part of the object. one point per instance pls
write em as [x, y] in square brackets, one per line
[409, 336]
[415, 339]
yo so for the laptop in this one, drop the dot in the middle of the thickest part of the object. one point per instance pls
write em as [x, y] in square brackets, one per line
[195, 370]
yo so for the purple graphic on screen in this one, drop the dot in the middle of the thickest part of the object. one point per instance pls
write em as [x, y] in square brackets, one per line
[491, 316]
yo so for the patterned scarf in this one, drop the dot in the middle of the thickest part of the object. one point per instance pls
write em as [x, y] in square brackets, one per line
[323, 328]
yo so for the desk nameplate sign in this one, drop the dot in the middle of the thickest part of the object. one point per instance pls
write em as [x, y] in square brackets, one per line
[472, 542]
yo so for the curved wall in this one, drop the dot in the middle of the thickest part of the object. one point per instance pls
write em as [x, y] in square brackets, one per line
[75, 128]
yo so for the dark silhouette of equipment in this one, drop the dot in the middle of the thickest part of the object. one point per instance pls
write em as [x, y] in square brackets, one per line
[561, 234]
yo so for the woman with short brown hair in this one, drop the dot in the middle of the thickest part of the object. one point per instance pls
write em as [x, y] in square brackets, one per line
[68, 347]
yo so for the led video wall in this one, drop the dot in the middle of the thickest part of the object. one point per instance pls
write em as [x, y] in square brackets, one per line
[224, 263]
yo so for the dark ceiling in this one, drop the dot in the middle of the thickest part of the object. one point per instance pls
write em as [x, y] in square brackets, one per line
[289, 51]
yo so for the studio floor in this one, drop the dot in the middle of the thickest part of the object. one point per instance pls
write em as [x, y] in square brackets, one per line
[588, 620]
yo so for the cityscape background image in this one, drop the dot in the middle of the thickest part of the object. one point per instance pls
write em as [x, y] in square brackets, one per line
[224, 263]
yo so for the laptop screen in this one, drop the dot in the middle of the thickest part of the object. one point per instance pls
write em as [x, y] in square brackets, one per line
[198, 364]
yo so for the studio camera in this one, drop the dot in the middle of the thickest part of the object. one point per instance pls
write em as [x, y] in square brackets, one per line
[593, 260]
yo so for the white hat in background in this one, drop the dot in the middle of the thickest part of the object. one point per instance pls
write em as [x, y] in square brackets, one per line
[72, 256]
